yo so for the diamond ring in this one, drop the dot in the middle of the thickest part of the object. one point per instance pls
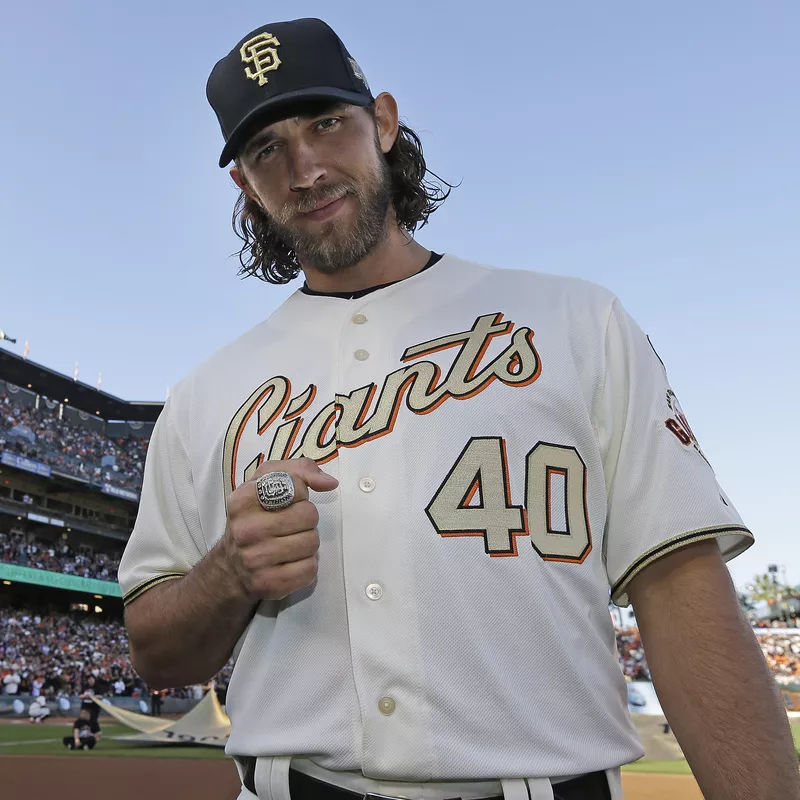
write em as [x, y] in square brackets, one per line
[275, 491]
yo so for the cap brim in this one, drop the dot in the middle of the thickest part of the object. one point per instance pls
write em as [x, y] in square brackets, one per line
[271, 110]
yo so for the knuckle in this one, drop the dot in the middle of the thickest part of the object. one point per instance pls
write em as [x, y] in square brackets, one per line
[237, 533]
[308, 572]
[307, 513]
[267, 582]
[313, 540]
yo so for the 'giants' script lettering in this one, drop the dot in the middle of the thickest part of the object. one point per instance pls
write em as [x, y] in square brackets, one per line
[347, 421]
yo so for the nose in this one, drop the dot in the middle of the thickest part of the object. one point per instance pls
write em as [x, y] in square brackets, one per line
[304, 167]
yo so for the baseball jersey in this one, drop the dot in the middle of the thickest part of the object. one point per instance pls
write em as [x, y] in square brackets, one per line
[509, 454]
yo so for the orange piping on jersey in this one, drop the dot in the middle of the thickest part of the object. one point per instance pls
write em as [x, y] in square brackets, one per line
[279, 410]
[482, 352]
[365, 408]
[509, 504]
[253, 406]
[460, 341]
[305, 405]
[251, 468]
[549, 472]
[588, 526]
[470, 495]
[290, 444]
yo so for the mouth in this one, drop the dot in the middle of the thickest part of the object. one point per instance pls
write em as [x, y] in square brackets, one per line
[325, 209]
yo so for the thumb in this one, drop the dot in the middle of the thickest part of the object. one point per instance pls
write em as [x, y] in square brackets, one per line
[320, 481]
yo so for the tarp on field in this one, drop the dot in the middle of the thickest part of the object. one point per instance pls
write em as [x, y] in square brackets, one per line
[140, 722]
[205, 724]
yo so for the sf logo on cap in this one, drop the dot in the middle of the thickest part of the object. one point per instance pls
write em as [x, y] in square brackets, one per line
[261, 53]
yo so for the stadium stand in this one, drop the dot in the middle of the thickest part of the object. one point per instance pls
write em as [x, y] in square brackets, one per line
[39, 433]
[17, 547]
[57, 654]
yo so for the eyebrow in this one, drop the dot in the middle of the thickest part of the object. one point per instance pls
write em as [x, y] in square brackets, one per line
[264, 137]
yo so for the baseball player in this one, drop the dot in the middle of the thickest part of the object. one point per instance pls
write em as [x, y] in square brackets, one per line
[403, 501]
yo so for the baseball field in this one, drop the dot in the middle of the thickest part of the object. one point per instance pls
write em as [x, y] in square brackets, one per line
[34, 764]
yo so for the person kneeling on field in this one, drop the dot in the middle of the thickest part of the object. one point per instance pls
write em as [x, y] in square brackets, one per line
[38, 710]
[85, 733]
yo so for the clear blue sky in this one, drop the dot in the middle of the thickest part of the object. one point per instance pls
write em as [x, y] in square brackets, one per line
[652, 148]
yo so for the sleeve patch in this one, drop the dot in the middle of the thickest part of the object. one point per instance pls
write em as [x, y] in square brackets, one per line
[678, 425]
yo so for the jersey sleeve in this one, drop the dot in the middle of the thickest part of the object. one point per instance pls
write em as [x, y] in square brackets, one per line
[662, 492]
[167, 540]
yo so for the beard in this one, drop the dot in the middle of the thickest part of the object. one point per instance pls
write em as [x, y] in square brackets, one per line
[339, 244]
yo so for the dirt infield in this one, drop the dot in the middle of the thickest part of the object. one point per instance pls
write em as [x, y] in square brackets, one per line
[81, 777]
[78, 776]
[642, 786]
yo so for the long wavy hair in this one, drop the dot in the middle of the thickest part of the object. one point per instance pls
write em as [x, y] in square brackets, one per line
[265, 255]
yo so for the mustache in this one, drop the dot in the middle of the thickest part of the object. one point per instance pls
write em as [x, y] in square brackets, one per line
[311, 198]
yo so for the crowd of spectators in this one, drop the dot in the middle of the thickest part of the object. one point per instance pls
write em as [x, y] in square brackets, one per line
[18, 548]
[791, 621]
[70, 447]
[57, 654]
[631, 654]
[781, 651]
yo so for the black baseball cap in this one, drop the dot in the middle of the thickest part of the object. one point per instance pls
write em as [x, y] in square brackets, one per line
[278, 66]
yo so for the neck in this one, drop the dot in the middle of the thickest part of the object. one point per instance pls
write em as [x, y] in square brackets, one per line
[397, 256]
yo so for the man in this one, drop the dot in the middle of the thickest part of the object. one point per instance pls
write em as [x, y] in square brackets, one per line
[155, 702]
[85, 733]
[38, 710]
[12, 680]
[428, 616]
[90, 689]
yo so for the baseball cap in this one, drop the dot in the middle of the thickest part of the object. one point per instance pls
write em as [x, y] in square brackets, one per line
[278, 66]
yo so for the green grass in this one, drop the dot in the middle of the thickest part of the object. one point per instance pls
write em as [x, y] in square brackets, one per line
[677, 767]
[796, 736]
[681, 767]
[33, 740]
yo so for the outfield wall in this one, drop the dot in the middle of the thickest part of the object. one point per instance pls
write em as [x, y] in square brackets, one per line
[71, 706]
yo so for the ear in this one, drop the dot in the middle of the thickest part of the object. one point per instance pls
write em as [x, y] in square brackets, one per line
[387, 120]
[237, 174]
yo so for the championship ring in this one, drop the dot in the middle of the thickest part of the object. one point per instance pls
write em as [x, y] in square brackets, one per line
[275, 491]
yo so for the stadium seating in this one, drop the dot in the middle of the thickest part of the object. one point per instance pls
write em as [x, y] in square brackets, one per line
[38, 433]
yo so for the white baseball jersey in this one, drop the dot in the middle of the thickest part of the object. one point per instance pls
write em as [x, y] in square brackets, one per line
[508, 451]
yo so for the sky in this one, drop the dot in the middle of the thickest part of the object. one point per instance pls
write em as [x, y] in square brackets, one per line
[651, 148]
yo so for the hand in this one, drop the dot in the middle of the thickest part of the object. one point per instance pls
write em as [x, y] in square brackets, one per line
[274, 553]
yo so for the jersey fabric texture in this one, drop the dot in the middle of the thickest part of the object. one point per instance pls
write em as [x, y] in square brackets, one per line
[509, 453]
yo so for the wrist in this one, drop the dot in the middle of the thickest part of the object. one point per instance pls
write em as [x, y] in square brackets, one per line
[233, 588]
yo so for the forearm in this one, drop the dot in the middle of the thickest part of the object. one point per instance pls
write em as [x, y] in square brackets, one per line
[183, 631]
[723, 705]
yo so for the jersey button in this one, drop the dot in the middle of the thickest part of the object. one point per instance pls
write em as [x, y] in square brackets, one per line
[374, 591]
[359, 319]
[361, 355]
[366, 484]
[386, 706]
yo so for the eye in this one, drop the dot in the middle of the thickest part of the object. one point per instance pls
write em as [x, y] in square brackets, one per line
[327, 124]
[266, 152]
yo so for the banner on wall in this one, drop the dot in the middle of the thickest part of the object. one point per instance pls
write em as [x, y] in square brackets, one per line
[116, 491]
[58, 580]
[27, 464]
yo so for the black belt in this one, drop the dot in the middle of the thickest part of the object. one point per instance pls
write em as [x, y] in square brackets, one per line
[592, 786]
